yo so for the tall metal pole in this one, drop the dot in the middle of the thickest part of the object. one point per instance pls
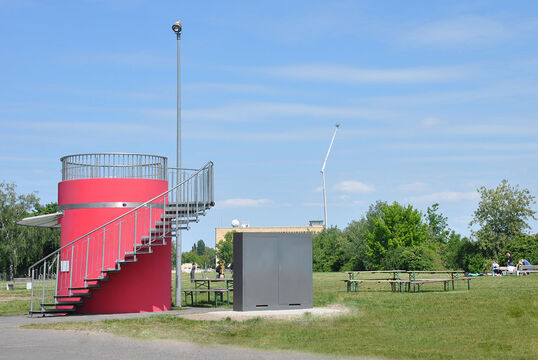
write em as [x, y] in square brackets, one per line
[323, 177]
[177, 27]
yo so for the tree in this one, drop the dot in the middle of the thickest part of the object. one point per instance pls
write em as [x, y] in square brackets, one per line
[437, 223]
[225, 248]
[396, 226]
[22, 246]
[328, 250]
[200, 247]
[355, 249]
[502, 215]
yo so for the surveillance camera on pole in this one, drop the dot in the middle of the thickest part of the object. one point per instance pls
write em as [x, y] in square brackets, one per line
[323, 177]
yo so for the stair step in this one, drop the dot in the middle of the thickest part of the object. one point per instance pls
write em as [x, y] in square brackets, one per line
[169, 224]
[52, 311]
[183, 205]
[64, 303]
[171, 214]
[100, 278]
[134, 253]
[125, 261]
[75, 295]
[87, 287]
[111, 270]
[155, 240]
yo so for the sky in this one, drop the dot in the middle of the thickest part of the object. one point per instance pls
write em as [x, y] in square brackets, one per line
[435, 99]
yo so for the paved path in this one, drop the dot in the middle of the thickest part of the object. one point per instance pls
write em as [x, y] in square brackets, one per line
[17, 343]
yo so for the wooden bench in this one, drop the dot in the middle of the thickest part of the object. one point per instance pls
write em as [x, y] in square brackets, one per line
[194, 294]
[527, 269]
[396, 285]
[446, 283]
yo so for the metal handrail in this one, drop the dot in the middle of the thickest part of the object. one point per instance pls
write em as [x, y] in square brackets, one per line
[113, 165]
[207, 165]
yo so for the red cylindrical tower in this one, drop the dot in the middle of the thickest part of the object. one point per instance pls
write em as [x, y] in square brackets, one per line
[121, 252]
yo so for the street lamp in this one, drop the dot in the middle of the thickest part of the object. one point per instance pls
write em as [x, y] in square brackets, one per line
[176, 28]
[323, 176]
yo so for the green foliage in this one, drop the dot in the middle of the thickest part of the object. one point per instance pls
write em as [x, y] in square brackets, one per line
[225, 248]
[204, 260]
[438, 224]
[502, 215]
[411, 258]
[396, 226]
[200, 247]
[328, 250]
[523, 247]
[22, 246]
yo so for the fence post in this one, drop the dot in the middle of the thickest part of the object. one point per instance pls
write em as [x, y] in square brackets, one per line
[57, 275]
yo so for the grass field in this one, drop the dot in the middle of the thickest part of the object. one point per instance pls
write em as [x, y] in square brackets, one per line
[497, 318]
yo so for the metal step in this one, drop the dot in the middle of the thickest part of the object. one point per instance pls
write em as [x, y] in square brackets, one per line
[100, 278]
[169, 224]
[64, 303]
[184, 213]
[183, 205]
[52, 311]
[87, 287]
[75, 295]
[155, 240]
[125, 261]
[111, 270]
[134, 253]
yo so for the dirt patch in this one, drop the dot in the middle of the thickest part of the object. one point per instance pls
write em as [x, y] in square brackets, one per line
[12, 298]
[333, 310]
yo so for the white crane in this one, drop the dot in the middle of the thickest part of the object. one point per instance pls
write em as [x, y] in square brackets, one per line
[323, 177]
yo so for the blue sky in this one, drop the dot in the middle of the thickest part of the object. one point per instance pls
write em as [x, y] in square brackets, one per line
[435, 99]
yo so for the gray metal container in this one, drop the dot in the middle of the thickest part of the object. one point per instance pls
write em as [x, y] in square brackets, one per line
[272, 271]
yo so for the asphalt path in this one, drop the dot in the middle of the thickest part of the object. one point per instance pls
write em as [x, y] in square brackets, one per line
[19, 343]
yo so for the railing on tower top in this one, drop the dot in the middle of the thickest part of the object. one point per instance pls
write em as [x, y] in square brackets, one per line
[90, 255]
[114, 165]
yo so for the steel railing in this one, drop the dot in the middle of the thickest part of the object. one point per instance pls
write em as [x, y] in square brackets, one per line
[88, 257]
[114, 165]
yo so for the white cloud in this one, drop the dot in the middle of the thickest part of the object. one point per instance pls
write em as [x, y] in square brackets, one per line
[250, 111]
[357, 75]
[430, 122]
[231, 87]
[242, 202]
[449, 196]
[318, 189]
[352, 186]
[414, 187]
[463, 30]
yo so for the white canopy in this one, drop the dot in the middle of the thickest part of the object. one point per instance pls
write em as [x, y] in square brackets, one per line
[45, 221]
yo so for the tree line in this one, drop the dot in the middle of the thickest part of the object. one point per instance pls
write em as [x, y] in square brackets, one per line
[388, 236]
[21, 246]
[396, 236]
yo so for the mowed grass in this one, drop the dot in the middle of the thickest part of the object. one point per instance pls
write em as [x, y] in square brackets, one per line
[497, 318]
[14, 302]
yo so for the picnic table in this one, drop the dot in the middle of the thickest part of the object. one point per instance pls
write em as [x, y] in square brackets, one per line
[394, 280]
[205, 286]
[395, 273]
[453, 274]
[397, 284]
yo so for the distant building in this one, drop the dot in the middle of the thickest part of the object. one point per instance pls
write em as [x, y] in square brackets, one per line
[316, 226]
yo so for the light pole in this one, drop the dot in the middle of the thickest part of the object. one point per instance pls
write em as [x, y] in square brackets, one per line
[176, 28]
[323, 177]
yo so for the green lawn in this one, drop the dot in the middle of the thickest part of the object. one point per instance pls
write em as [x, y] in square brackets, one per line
[14, 302]
[497, 318]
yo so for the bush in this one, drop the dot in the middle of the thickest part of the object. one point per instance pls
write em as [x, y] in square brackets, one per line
[411, 258]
